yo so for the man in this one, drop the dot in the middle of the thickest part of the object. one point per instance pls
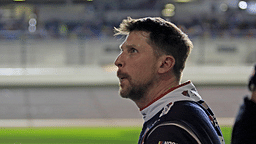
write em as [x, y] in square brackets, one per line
[150, 66]
[244, 130]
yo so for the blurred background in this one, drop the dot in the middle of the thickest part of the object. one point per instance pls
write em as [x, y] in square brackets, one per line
[56, 56]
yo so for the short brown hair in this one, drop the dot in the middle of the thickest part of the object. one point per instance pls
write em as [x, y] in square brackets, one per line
[165, 38]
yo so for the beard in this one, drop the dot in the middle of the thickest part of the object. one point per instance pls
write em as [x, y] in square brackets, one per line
[135, 91]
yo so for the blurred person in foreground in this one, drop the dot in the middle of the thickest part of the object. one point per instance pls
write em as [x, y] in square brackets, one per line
[244, 130]
[150, 66]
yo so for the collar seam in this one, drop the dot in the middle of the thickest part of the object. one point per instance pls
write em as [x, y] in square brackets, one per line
[162, 95]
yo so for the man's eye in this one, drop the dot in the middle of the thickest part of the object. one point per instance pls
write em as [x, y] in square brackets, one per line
[133, 50]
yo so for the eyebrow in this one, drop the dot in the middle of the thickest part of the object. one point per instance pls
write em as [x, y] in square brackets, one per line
[127, 46]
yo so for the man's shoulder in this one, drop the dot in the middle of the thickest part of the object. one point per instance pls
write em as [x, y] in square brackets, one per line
[189, 112]
[184, 110]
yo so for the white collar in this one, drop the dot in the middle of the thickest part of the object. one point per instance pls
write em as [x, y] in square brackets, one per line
[185, 91]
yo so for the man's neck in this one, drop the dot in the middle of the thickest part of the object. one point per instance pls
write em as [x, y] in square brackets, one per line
[155, 91]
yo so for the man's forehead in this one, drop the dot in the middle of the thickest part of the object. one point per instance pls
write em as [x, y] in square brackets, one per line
[145, 34]
[136, 37]
[140, 34]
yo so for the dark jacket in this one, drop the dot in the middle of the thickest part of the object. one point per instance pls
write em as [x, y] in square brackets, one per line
[180, 116]
[244, 130]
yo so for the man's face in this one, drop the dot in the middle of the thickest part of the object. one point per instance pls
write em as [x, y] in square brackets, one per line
[136, 66]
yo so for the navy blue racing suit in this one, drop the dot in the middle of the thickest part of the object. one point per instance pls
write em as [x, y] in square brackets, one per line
[179, 116]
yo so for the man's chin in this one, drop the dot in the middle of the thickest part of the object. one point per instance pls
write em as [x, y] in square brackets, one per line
[123, 93]
[130, 94]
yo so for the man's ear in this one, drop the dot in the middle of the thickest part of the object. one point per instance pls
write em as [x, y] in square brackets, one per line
[166, 63]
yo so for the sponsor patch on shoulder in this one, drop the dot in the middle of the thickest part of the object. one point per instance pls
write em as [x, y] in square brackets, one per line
[166, 142]
[185, 93]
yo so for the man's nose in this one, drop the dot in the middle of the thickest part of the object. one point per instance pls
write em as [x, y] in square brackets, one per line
[119, 62]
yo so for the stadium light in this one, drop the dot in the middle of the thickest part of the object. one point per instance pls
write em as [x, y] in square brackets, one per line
[223, 7]
[32, 29]
[32, 25]
[242, 5]
[32, 22]
[169, 10]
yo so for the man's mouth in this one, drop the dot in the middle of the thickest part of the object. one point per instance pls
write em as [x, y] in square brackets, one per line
[122, 76]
